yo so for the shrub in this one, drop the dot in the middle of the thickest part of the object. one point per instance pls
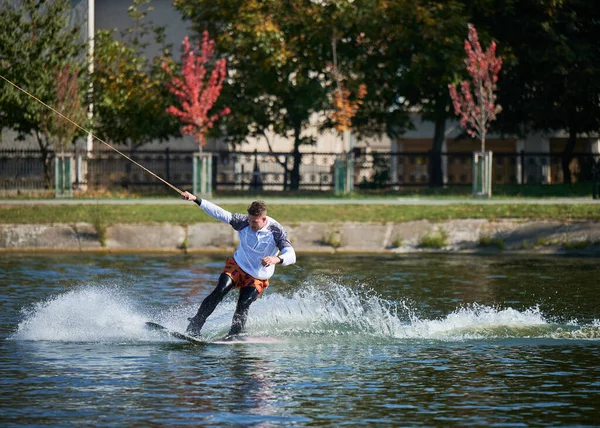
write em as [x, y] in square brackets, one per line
[488, 241]
[437, 239]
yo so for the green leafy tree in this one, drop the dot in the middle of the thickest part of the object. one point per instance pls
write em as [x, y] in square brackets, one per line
[552, 67]
[35, 41]
[374, 48]
[574, 80]
[276, 68]
[436, 32]
[130, 98]
[406, 52]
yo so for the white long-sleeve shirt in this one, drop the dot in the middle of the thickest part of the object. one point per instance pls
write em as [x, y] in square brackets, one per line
[271, 240]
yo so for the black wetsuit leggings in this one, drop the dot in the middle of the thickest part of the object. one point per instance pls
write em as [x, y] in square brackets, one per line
[247, 296]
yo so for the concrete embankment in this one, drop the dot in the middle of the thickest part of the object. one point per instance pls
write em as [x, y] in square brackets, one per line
[415, 236]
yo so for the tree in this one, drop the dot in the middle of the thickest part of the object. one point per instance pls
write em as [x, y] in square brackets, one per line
[345, 107]
[550, 77]
[69, 102]
[196, 95]
[276, 69]
[375, 50]
[477, 107]
[130, 98]
[518, 28]
[572, 78]
[35, 40]
[345, 103]
[408, 52]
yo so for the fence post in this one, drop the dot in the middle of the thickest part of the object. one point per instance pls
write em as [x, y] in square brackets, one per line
[256, 182]
[482, 174]
[343, 175]
[521, 168]
[63, 181]
[202, 174]
[596, 179]
[78, 169]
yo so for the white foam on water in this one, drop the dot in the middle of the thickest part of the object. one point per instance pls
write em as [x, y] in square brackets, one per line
[94, 313]
[325, 311]
[100, 313]
[333, 310]
[336, 310]
[480, 321]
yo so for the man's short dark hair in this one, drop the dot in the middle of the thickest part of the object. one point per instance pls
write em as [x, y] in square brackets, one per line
[257, 208]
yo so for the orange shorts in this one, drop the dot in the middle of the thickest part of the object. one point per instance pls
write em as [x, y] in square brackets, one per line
[241, 278]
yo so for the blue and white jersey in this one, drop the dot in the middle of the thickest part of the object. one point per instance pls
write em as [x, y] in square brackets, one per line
[268, 241]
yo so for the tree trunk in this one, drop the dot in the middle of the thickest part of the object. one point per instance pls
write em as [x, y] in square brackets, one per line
[436, 174]
[568, 156]
[284, 164]
[295, 175]
[286, 177]
[46, 161]
[126, 182]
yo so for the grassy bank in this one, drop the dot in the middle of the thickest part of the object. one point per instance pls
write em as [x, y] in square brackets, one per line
[100, 214]
[517, 191]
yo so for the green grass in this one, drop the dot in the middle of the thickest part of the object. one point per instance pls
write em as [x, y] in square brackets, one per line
[508, 191]
[488, 241]
[397, 242]
[100, 222]
[577, 245]
[542, 241]
[438, 239]
[104, 215]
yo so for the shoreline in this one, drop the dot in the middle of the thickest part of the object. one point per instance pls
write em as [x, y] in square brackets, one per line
[468, 236]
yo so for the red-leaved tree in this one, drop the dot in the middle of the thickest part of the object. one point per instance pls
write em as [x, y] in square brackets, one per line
[196, 94]
[477, 108]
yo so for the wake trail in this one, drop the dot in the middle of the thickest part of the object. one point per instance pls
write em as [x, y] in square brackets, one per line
[323, 313]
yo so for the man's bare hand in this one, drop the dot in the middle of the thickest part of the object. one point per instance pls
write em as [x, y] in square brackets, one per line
[188, 196]
[269, 260]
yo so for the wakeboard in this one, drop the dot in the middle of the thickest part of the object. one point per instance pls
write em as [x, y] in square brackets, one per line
[177, 335]
[198, 341]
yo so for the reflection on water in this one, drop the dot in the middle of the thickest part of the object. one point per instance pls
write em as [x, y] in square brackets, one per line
[427, 340]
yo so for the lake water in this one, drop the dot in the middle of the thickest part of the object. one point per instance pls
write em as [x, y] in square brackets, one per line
[359, 339]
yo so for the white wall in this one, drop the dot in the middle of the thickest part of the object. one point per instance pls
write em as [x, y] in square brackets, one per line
[112, 14]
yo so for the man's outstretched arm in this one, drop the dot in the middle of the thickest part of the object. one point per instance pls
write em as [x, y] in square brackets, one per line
[209, 208]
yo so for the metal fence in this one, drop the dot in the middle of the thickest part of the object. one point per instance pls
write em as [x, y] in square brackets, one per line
[22, 170]
[105, 169]
[272, 171]
[239, 171]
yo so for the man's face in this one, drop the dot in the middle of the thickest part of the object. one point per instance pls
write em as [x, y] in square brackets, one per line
[257, 222]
